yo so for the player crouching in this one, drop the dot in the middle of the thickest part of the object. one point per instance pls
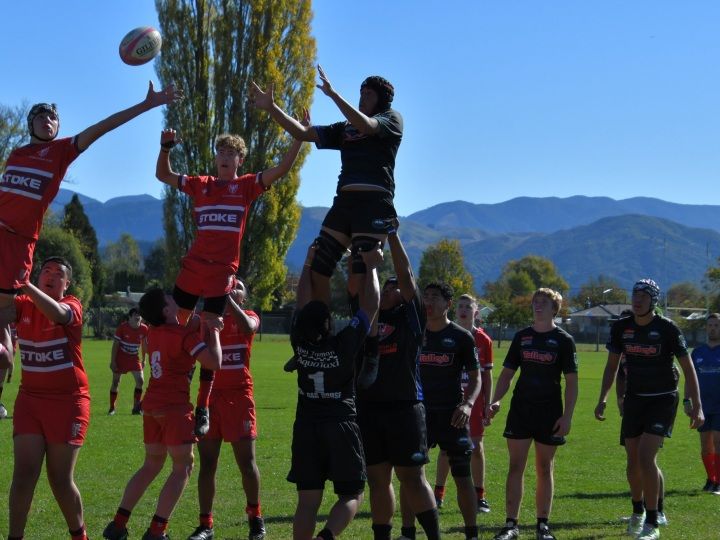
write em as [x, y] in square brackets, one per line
[168, 421]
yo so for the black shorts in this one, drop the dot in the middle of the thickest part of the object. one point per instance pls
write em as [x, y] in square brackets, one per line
[358, 212]
[455, 441]
[328, 450]
[528, 420]
[394, 433]
[185, 300]
[648, 414]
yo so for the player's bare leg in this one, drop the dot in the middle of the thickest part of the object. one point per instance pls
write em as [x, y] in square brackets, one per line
[321, 283]
[417, 500]
[155, 455]
[343, 512]
[518, 450]
[647, 451]
[137, 394]
[245, 458]
[61, 460]
[306, 513]
[467, 502]
[182, 464]
[633, 470]
[382, 496]
[442, 470]
[544, 465]
[209, 451]
[29, 452]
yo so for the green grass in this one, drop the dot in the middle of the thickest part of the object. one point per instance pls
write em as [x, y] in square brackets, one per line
[590, 494]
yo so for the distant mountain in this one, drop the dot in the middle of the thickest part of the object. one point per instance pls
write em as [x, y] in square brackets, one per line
[583, 236]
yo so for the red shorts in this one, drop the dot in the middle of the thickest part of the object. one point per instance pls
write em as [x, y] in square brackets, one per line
[171, 426]
[477, 416]
[58, 419]
[124, 364]
[232, 416]
[203, 278]
[16, 255]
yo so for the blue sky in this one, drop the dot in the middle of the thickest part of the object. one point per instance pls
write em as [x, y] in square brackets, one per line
[500, 99]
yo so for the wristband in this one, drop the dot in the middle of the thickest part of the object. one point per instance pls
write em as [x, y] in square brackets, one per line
[168, 144]
[164, 151]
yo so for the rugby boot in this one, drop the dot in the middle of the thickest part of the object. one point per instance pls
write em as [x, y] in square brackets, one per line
[543, 533]
[507, 533]
[113, 532]
[662, 519]
[150, 536]
[648, 532]
[202, 533]
[483, 506]
[257, 528]
[635, 524]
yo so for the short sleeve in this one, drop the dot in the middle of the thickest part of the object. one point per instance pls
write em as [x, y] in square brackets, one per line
[391, 124]
[569, 361]
[330, 137]
[193, 344]
[679, 343]
[614, 344]
[75, 310]
[513, 359]
[190, 185]
[117, 337]
[469, 354]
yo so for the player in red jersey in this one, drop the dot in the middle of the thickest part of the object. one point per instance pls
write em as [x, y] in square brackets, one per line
[467, 313]
[6, 363]
[129, 340]
[167, 412]
[220, 208]
[232, 418]
[52, 408]
[32, 178]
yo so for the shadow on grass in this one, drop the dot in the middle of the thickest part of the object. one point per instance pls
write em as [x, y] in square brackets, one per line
[321, 518]
[626, 494]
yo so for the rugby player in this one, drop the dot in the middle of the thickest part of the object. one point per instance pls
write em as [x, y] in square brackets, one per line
[7, 352]
[543, 352]
[167, 412]
[649, 343]
[129, 340]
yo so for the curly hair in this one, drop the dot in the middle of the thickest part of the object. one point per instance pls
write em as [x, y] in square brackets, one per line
[234, 142]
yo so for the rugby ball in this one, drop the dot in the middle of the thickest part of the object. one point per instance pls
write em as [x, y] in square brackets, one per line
[140, 46]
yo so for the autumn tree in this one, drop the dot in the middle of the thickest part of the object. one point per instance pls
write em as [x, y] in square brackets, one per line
[214, 49]
[600, 290]
[444, 263]
[13, 130]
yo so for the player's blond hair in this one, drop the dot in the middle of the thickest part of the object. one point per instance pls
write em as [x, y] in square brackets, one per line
[554, 296]
[470, 298]
[234, 142]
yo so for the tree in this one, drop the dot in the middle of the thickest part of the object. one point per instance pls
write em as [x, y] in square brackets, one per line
[13, 130]
[122, 261]
[214, 48]
[77, 223]
[156, 262]
[55, 241]
[443, 263]
[685, 294]
[592, 292]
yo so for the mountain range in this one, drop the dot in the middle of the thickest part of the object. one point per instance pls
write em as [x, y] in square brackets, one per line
[583, 236]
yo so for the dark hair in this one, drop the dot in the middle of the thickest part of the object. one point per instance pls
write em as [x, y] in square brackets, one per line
[151, 306]
[384, 90]
[59, 260]
[446, 291]
[713, 316]
[313, 321]
[132, 312]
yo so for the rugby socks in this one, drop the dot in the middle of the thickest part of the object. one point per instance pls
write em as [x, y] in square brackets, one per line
[717, 468]
[207, 376]
[408, 532]
[711, 466]
[511, 522]
[80, 534]
[651, 518]
[113, 399]
[430, 523]
[381, 531]
[137, 396]
[326, 534]
[439, 492]
[540, 522]
[253, 510]
[158, 526]
[122, 516]
[480, 492]
[471, 532]
[206, 520]
[638, 507]
[661, 505]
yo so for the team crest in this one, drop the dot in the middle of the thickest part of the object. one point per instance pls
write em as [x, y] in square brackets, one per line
[232, 188]
[551, 343]
[654, 334]
[448, 342]
[526, 341]
[43, 152]
[628, 333]
[379, 224]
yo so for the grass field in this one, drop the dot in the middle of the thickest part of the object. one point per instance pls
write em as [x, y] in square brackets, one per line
[590, 495]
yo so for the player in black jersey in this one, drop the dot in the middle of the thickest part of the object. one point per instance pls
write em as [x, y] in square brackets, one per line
[326, 439]
[390, 412]
[649, 343]
[543, 353]
[447, 351]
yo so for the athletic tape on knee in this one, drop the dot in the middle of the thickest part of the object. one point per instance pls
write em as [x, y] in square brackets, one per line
[329, 251]
[361, 243]
[459, 465]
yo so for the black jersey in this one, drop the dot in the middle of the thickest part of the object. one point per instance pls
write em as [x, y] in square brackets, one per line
[541, 357]
[400, 333]
[443, 358]
[366, 159]
[326, 388]
[649, 352]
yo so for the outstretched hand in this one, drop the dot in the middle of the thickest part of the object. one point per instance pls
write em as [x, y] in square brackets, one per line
[305, 120]
[326, 87]
[373, 257]
[169, 94]
[261, 99]
[169, 138]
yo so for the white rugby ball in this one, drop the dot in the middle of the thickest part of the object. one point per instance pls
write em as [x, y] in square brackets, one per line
[140, 45]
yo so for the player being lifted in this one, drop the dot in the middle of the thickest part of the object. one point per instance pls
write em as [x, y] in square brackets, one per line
[128, 356]
[326, 441]
[220, 208]
[167, 412]
[32, 178]
[232, 418]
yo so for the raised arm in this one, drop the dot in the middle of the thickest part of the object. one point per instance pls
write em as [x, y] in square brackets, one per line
[153, 99]
[304, 289]
[273, 174]
[211, 357]
[246, 324]
[265, 100]
[163, 169]
[55, 311]
[401, 263]
[363, 123]
[370, 293]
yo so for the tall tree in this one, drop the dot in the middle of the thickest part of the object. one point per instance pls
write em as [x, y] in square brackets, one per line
[123, 264]
[443, 262]
[214, 48]
[13, 130]
[77, 223]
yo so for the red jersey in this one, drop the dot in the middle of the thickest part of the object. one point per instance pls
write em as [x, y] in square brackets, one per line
[484, 346]
[173, 350]
[236, 346]
[129, 340]
[50, 352]
[30, 182]
[220, 210]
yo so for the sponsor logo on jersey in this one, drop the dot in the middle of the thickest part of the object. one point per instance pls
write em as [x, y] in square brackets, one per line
[629, 333]
[551, 343]
[448, 342]
[654, 334]
[539, 357]
[525, 341]
[387, 348]
[384, 330]
[435, 359]
[25, 320]
[379, 224]
[699, 360]
[639, 349]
